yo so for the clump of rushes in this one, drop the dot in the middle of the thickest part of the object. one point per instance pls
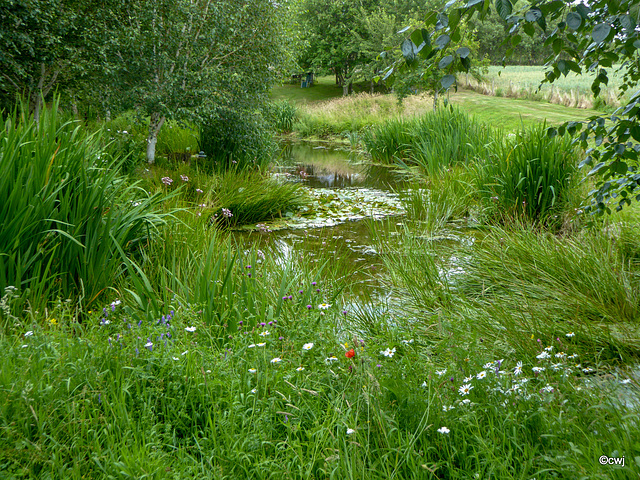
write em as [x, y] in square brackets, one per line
[252, 197]
[73, 216]
[528, 175]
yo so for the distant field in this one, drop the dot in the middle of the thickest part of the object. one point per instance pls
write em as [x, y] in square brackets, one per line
[324, 111]
[523, 82]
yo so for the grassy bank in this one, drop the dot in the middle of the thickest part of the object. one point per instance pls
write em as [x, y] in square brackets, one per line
[504, 346]
[321, 111]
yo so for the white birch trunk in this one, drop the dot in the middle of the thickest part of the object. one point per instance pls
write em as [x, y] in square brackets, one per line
[155, 124]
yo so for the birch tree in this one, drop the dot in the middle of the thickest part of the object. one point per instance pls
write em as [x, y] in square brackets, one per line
[173, 57]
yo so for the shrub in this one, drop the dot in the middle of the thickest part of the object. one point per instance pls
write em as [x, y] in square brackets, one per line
[236, 139]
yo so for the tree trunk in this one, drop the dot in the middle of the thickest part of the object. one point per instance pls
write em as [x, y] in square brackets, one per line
[435, 100]
[155, 124]
[36, 105]
[345, 89]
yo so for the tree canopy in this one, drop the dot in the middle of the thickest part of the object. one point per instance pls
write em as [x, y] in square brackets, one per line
[586, 37]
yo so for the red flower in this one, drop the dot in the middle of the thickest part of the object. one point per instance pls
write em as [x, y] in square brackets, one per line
[350, 354]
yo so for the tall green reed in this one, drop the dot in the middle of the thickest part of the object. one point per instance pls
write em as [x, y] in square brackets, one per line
[65, 210]
[430, 142]
[528, 174]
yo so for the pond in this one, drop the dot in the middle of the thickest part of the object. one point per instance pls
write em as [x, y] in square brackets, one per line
[350, 197]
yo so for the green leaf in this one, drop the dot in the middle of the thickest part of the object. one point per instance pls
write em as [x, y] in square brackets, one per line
[443, 21]
[447, 81]
[454, 18]
[528, 29]
[574, 21]
[409, 51]
[417, 38]
[563, 67]
[627, 22]
[600, 32]
[463, 52]
[635, 132]
[430, 18]
[533, 15]
[442, 41]
[504, 8]
[445, 62]
[583, 10]
[515, 40]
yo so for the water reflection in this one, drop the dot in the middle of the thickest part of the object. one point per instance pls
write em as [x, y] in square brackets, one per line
[330, 167]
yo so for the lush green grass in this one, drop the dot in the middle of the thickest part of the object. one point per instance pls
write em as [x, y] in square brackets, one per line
[511, 114]
[324, 112]
[324, 88]
[501, 352]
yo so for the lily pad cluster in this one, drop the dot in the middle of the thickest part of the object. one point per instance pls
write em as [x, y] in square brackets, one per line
[332, 207]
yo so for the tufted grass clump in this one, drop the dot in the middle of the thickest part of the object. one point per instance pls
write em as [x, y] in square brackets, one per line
[529, 175]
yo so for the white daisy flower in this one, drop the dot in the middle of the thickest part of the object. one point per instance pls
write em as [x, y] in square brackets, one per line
[518, 369]
[350, 431]
[307, 346]
[190, 329]
[570, 334]
[465, 389]
[252, 345]
[261, 344]
[466, 401]
[543, 355]
[443, 430]
[252, 370]
[549, 348]
[265, 333]
[441, 372]
[299, 369]
[481, 375]
[467, 379]
[331, 359]
[488, 365]
[28, 334]
[253, 390]
[388, 352]
[324, 306]
[446, 408]
[538, 369]
[276, 360]
[547, 389]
